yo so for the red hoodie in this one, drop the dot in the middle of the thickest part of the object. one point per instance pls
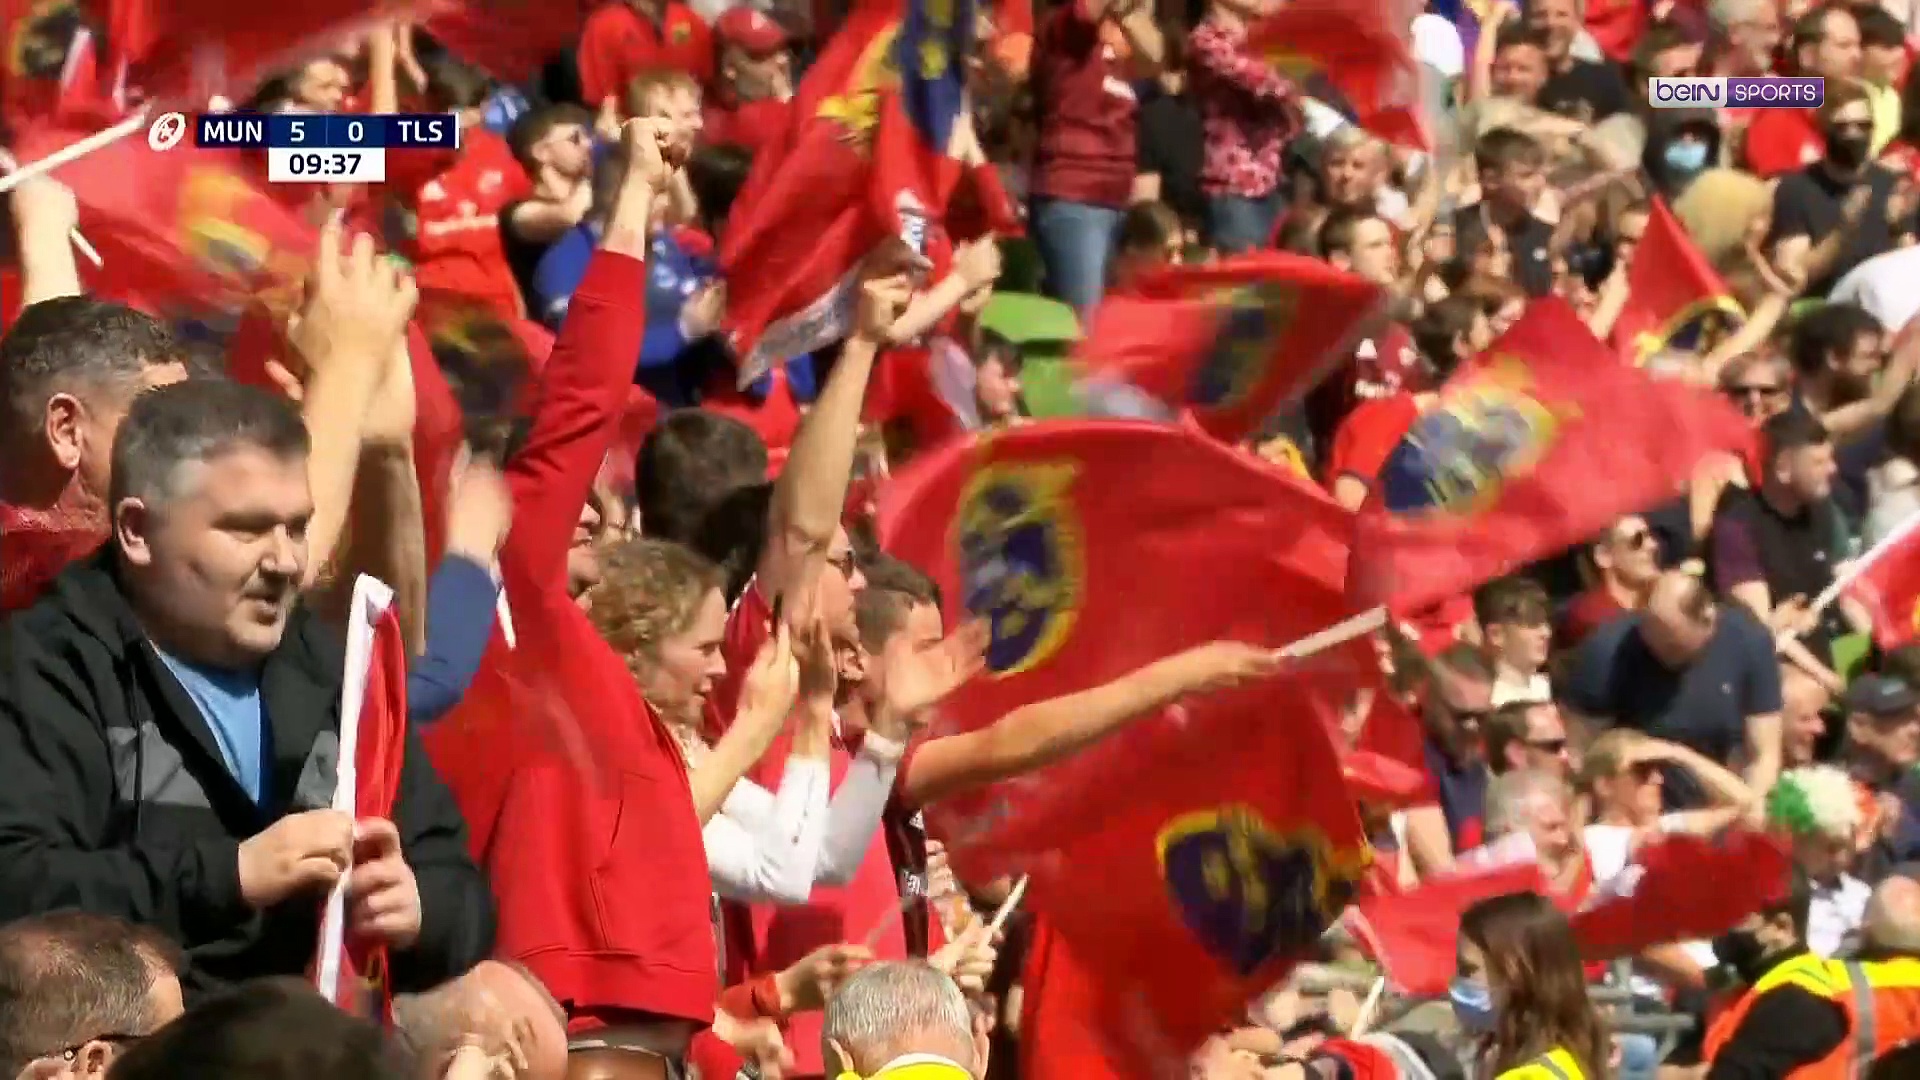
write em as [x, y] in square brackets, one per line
[576, 796]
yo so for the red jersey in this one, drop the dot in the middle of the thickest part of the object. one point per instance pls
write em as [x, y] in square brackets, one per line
[457, 252]
[1087, 140]
[1054, 1039]
[576, 797]
[619, 43]
[35, 545]
[1365, 439]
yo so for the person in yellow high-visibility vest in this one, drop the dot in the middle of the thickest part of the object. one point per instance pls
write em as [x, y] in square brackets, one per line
[1521, 989]
[1811, 1018]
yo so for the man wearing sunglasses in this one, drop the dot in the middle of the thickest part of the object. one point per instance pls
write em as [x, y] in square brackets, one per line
[1455, 706]
[1815, 201]
[1621, 564]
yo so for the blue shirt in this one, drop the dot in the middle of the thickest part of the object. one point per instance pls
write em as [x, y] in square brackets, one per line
[229, 702]
[671, 367]
[461, 601]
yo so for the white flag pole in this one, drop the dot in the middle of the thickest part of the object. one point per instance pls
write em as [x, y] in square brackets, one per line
[74, 152]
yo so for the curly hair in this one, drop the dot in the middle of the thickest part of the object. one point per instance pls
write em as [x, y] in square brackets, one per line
[649, 591]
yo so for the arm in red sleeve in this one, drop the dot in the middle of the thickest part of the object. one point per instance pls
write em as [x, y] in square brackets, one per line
[583, 395]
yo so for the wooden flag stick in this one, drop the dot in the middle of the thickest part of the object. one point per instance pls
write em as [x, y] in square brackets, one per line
[73, 152]
[1336, 635]
[80, 243]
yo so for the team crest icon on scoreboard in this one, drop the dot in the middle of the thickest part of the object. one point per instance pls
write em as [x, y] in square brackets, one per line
[1458, 456]
[1021, 561]
[167, 132]
[1255, 319]
[1252, 893]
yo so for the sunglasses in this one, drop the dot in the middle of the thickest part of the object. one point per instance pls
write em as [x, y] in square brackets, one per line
[1637, 539]
[1644, 771]
[1549, 746]
[843, 562]
[1754, 391]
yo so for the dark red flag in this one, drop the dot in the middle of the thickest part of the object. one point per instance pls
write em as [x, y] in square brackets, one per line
[1681, 888]
[1021, 528]
[1231, 341]
[1536, 448]
[1672, 289]
[1362, 47]
[1889, 588]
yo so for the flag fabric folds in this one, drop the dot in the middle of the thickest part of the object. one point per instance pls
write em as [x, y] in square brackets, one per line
[867, 159]
[1231, 341]
[1362, 47]
[350, 972]
[1411, 934]
[1539, 446]
[1889, 587]
[1672, 291]
[1683, 888]
[1023, 529]
[511, 39]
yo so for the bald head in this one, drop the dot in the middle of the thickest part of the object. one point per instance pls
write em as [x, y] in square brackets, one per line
[1679, 618]
[1893, 917]
[495, 1001]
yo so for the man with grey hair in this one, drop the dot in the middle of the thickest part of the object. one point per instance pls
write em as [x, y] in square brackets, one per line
[1747, 36]
[75, 988]
[905, 1020]
[169, 722]
[1530, 812]
[69, 368]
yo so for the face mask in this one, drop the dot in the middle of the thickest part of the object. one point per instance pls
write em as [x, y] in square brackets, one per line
[1472, 1005]
[1848, 151]
[1686, 156]
[1742, 952]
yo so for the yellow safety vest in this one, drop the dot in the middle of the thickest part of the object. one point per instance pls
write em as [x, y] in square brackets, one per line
[1557, 1064]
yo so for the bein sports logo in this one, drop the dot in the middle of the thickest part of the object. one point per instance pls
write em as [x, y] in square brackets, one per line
[1737, 92]
[166, 132]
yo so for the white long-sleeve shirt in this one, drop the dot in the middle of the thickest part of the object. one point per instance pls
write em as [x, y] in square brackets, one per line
[775, 846]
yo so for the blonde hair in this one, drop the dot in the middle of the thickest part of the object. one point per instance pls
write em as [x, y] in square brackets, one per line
[649, 591]
[657, 81]
[1716, 210]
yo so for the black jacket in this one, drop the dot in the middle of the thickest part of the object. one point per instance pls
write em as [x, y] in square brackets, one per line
[114, 797]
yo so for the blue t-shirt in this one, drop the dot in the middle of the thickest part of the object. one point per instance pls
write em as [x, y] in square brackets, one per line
[229, 702]
[1703, 706]
[671, 367]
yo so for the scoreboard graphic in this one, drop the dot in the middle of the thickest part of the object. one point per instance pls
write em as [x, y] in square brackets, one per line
[312, 148]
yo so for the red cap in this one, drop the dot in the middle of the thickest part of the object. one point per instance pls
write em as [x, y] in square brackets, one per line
[1368, 1062]
[746, 28]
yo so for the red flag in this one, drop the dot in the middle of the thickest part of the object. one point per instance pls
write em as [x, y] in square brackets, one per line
[1232, 341]
[1411, 934]
[351, 971]
[1680, 888]
[35, 545]
[196, 233]
[866, 159]
[1671, 288]
[1537, 448]
[195, 49]
[1235, 847]
[1362, 48]
[511, 39]
[1020, 528]
[1889, 588]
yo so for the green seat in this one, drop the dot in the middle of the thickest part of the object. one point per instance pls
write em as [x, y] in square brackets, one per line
[1850, 655]
[1026, 319]
[1044, 331]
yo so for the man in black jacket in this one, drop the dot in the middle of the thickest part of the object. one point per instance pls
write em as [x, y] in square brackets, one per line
[169, 720]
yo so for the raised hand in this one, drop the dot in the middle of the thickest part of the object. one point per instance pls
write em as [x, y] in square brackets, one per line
[299, 853]
[358, 304]
[916, 679]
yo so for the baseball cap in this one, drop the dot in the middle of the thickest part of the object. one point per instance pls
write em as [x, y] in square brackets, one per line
[1881, 695]
[751, 30]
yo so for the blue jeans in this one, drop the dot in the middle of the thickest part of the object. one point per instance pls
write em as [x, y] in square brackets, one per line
[1236, 223]
[1074, 241]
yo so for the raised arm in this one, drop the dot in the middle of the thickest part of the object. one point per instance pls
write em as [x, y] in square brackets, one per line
[584, 387]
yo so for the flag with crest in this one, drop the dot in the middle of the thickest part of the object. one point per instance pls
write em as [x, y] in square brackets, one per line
[1230, 342]
[869, 157]
[1363, 48]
